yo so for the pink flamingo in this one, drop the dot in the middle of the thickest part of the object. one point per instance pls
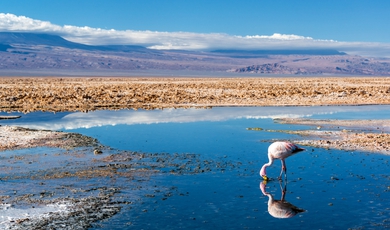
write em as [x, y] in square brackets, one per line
[280, 208]
[279, 150]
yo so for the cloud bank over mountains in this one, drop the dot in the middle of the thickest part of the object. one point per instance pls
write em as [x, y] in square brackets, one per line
[186, 40]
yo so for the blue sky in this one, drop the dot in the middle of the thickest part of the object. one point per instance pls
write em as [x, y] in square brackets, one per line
[350, 23]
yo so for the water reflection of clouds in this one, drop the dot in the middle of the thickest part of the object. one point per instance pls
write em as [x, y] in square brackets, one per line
[131, 117]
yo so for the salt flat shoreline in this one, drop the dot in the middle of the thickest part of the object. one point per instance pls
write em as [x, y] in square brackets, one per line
[12, 137]
[350, 135]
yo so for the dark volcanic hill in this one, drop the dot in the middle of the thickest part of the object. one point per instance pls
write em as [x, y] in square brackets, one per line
[26, 52]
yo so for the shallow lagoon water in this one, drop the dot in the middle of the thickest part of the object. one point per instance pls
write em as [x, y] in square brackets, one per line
[338, 189]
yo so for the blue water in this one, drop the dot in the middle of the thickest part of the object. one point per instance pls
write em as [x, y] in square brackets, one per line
[338, 189]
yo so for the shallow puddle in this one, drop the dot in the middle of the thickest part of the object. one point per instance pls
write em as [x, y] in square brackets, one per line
[337, 189]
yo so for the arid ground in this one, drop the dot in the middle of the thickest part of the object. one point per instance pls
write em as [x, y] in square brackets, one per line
[82, 94]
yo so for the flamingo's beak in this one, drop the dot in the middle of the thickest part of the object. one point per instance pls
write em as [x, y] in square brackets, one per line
[265, 178]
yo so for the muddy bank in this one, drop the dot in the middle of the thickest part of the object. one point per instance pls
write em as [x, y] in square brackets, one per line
[352, 135]
[83, 94]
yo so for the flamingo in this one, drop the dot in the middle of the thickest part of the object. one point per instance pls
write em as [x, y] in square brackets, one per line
[279, 150]
[280, 208]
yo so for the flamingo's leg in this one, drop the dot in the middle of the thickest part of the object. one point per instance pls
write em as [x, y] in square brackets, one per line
[283, 189]
[284, 169]
[285, 172]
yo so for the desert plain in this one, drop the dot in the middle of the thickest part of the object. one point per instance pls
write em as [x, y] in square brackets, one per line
[54, 94]
[83, 94]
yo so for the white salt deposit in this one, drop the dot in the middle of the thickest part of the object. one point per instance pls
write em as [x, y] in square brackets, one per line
[10, 214]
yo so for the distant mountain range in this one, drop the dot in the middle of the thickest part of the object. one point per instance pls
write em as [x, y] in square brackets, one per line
[252, 53]
[26, 52]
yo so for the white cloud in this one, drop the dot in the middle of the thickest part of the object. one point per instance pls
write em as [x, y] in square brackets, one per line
[278, 36]
[11, 22]
[187, 40]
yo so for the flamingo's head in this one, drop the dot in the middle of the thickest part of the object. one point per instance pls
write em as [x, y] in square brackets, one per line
[262, 187]
[263, 173]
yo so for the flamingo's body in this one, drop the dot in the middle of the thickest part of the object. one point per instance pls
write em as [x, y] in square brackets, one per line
[279, 150]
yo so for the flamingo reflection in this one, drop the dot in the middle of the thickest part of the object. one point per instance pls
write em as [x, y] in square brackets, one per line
[280, 208]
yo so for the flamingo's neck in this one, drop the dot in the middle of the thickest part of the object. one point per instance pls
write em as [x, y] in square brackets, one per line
[263, 190]
[263, 169]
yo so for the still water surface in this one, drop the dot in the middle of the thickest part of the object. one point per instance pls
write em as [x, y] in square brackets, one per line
[338, 189]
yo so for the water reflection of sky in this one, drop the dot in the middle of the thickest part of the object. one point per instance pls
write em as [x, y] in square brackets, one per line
[130, 117]
[339, 190]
